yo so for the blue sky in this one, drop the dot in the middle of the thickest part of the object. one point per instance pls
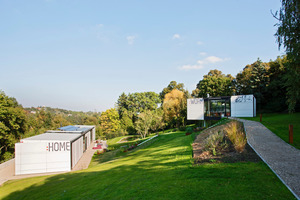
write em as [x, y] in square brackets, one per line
[81, 55]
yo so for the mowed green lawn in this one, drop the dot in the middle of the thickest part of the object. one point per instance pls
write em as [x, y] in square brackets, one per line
[163, 170]
[279, 124]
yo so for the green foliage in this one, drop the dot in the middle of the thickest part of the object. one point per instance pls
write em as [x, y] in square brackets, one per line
[127, 124]
[288, 35]
[215, 84]
[267, 81]
[144, 122]
[189, 129]
[110, 122]
[13, 124]
[259, 81]
[135, 103]
[157, 120]
[215, 142]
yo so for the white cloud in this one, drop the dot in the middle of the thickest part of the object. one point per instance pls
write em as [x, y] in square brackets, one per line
[130, 39]
[190, 67]
[203, 63]
[99, 25]
[213, 59]
[202, 53]
[199, 43]
[176, 36]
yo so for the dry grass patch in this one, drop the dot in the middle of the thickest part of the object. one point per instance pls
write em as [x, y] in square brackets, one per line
[224, 143]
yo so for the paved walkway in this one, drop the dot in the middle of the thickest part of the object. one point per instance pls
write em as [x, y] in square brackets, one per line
[281, 157]
[85, 159]
[8, 172]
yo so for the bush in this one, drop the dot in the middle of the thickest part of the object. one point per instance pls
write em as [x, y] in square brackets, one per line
[7, 156]
[189, 129]
[182, 128]
[235, 133]
[216, 143]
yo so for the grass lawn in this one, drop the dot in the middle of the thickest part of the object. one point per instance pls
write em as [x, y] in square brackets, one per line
[279, 124]
[162, 170]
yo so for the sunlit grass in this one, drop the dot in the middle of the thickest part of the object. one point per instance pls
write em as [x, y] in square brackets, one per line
[163, 170]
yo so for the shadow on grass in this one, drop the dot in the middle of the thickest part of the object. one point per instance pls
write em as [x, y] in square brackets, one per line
[161, 171]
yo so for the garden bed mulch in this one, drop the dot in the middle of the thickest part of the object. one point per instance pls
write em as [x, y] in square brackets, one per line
[202, 156]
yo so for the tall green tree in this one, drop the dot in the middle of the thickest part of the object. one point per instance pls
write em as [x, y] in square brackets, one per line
[135, 103]
[109, 121]
[144, 122]
[215, 83]
[259, 81]
[276, 92]
[157, 120]
[242, 81]
[13, 124]
[288, 35]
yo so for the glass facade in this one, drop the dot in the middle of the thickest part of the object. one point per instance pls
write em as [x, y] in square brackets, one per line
[216, 108]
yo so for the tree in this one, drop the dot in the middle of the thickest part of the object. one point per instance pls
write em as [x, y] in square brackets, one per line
[259, 81]
[288, 35]
[276, 92]
[136, 103]
[143, 123]
[215, 83]
[174, 105]
[13, 124]
[126, 123]
[157, 120]
[172, 85]
[242, 83]
[109, 121]
[266, 81]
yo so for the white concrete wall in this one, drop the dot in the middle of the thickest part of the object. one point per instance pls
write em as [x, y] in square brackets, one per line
[195, 109]
[77, 151]
[243, 106]
[42, 157]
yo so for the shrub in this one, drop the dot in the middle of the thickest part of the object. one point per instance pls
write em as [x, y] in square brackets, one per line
[189, 129]
[235, 133]
[216, 143]
[182, 128]
[7, 156]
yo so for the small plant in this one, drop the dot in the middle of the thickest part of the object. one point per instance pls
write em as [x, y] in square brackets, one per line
[235, 133]
[214, 142]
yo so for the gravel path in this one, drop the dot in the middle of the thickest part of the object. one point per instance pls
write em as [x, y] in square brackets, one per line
[281, 157]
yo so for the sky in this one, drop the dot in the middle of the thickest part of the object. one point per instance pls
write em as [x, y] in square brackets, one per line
[82, 55]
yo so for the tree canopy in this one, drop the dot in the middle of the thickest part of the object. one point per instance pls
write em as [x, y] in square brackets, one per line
[288, 35]
[215, 83]
[13, 124]
[174, 106]
[109, 121]
[172, 85]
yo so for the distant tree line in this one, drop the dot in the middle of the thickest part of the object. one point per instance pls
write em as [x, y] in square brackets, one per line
[17, 122]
